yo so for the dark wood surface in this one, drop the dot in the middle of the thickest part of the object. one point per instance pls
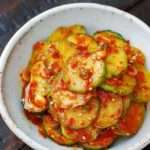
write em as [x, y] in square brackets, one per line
[14, 13]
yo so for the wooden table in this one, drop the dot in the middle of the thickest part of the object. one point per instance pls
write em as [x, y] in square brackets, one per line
[14, 13]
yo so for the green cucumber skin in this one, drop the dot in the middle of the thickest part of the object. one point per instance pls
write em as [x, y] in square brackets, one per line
[118, 35]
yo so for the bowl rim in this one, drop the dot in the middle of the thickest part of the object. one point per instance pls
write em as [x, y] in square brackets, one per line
[25, 28]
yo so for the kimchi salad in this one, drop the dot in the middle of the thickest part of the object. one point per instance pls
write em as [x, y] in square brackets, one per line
[85, 90]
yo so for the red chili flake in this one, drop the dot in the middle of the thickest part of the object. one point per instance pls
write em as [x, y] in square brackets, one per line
[84, 136]
[114, 81]
[102, 55]
[42, 131]
[124, 97]
[38, 45]
[65, 32]
[55, 67]
[112, 41]
[85, 74]
[32, 89]
[131, 122]
[73, 96]
[35, 119]
[25, 75]
[88, 96]
[40, 102]
[128, 47]
[70, 122]
[104, 96]
[54, 52]
[105, 138]
[74, 65]
[132, 71]
[108, 44]
[46, 73]
[83, 51]
[140, 77]
[63, 85]
[24, 85]
[111, 49]
[140, 59]
[81, 40]
[58, 109]
[100, 40]
[88, 85]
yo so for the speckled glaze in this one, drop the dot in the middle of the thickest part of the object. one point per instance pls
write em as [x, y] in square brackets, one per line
[18, 50]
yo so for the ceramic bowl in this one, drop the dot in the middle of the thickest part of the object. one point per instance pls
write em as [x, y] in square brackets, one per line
[18, 51]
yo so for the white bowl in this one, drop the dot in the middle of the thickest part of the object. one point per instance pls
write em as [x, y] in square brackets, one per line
[18, 50]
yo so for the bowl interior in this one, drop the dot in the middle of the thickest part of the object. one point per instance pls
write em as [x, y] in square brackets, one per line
[94, 18]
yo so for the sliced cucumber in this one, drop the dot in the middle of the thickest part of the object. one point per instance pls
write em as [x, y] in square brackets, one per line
[81, 135]
[142, 92]
[125, 88]
[52, 130]
[132, 121]
[37, 71]
[37, 91]
[47, 58]
[110, 112]
[67, 99]
[64, 98]
[85, 73]
[116, 60]
[109, 37]
[43, 51]
[65, 48]
[62, 33]
[110, 33]
[34, 100]
[104, 140]
[84, 41]
[82, 116]
[39, 51]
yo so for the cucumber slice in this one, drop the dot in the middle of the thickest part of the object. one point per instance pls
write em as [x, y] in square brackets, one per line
[85, 73]
[111, 110]
[39, 51]
[126, 87]
[65, 48]
[37, 90]
[51, 52]
[81, 135]
[67, 99]
[84, 41]
[52, 130]
[48, 58]
[132, 121]
[116, 62]
[110, 33]
[142, 91]
[62, 33]
[63, 98]
[82, 116]
[105, 139]
[116, 51]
